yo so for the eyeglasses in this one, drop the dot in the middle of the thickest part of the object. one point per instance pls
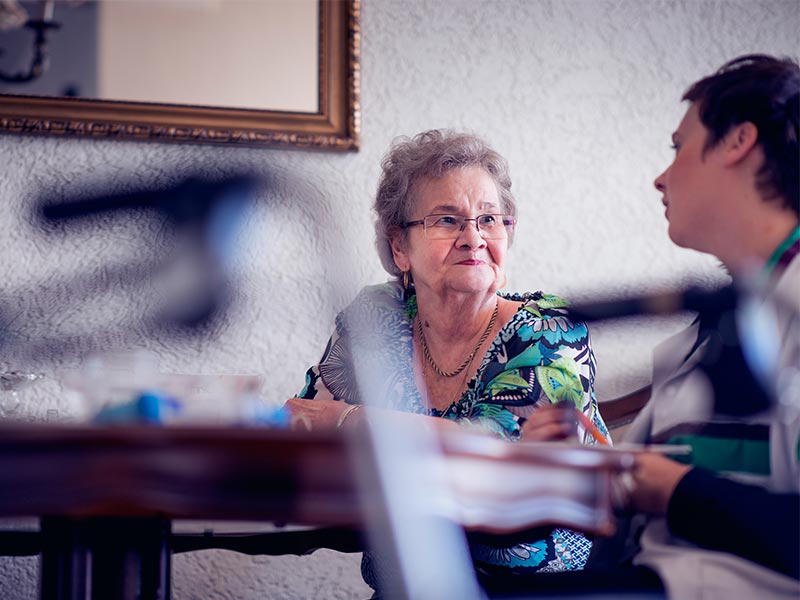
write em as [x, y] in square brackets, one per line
[447, 227]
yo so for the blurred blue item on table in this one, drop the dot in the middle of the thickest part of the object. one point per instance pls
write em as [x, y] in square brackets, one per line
[149, 407]
[255, 412]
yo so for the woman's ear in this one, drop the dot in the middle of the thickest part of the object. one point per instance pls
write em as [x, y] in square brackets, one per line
[739, 142]
[398, 244]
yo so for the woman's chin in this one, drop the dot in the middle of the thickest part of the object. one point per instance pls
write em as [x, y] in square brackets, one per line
[475, 284]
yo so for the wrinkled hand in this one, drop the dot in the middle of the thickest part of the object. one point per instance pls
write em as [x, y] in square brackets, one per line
[652, 482]
[550, 423]
[311, 415]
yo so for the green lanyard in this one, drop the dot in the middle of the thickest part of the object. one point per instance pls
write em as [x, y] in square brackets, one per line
[783, 250]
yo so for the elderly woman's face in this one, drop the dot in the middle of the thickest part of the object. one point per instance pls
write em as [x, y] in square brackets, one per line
[467, 263]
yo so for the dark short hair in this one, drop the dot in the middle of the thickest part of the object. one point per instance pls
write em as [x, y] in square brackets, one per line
[431, 153]
[765, 91]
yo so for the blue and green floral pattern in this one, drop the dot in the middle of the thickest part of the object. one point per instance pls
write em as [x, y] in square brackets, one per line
[538, 357]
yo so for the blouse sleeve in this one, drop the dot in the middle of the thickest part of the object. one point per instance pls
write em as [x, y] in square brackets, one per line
[545, 358]
[332, 378]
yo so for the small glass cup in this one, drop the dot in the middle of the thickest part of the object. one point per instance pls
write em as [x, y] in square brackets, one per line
[11, 384]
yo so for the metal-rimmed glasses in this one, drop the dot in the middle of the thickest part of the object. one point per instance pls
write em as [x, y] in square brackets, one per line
[447, 227]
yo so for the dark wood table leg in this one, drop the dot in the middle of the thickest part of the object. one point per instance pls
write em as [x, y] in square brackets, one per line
[64, 560]
[105, 559]
[130, 559]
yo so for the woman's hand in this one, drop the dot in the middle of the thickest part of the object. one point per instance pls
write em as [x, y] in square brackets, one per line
[652, 483]
[550, 423]
[311, 415]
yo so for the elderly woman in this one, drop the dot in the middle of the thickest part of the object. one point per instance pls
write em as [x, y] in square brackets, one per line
[452, 346]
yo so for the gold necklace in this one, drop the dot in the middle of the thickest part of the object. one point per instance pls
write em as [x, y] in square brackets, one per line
[456, 397]
[467, 360]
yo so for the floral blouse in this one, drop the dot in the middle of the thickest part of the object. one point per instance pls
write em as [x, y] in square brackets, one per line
[538, 356]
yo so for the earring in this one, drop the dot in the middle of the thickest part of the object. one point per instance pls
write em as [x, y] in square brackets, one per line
[406, 280]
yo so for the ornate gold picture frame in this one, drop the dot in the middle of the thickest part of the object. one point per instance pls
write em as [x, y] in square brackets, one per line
[335, 126]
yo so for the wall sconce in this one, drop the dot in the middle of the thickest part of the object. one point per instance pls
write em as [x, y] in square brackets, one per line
[41, 27]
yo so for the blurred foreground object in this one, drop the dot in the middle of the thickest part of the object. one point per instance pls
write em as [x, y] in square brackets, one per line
[741, 327]
[185, 287]
[205, 215]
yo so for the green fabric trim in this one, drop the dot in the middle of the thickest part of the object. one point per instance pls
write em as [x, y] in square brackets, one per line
[726, 454]
[776, 256]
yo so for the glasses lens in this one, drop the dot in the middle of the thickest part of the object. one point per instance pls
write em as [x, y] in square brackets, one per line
[491, 226]
[495, 227]
[508, 223]
[443, 227]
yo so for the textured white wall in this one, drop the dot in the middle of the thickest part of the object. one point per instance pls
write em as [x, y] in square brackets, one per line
[580, 96]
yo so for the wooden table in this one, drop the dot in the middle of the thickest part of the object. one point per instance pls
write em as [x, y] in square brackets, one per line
[107, 496]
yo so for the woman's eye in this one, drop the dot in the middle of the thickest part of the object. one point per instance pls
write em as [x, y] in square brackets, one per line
[487, 220]
[446, 221]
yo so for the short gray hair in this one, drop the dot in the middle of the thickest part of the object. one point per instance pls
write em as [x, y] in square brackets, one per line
[429, 154]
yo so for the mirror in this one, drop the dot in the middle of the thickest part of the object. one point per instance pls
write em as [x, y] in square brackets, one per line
[282, 73]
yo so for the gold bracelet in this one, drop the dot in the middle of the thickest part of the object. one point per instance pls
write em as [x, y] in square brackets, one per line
[346, 413]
